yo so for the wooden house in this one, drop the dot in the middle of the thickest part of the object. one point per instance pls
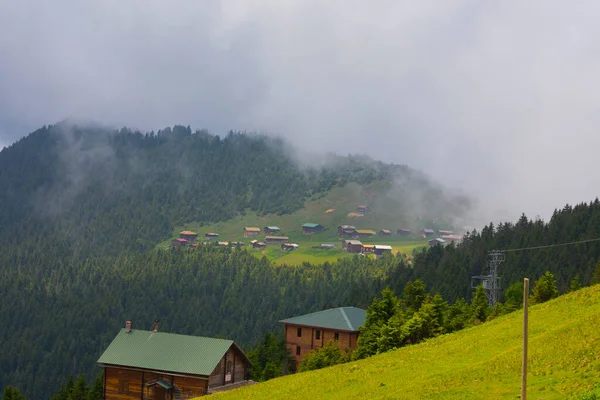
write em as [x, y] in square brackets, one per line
[188, 235]
[271, 229]
[211, 235]
[453, 238]
[404, 232]
[346, 230]
[311, 331]
[276, 239]
[368, 248]
[437, 241]
[385, 232]
[251, 231]
[442, 232]
[312, 228]
[379, 249]
[289, 246]
[179, 243]
[152, 365]
[427, 232]
[352, 246]
[362, 209]
[255, 244]
[222, 243]
[365, 233]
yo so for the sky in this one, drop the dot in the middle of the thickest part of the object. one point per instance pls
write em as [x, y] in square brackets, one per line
[497, 99]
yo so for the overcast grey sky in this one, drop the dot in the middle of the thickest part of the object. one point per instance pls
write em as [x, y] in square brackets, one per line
[498, 98]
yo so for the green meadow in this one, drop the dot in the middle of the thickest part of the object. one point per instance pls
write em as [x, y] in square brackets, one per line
[385, 214]
[482, 362]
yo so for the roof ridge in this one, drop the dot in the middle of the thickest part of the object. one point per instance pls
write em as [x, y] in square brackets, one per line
[178, 334]
[346, 318]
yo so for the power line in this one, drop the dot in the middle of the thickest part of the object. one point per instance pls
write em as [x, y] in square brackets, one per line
[550, 245]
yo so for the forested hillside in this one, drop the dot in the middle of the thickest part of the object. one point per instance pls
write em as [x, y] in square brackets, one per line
[106, 191]
[81, 210]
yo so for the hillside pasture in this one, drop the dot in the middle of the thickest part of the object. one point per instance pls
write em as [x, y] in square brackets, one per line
[483, 362]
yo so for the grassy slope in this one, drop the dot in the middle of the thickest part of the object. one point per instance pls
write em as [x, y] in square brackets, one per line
[344, 200]
[482, 362]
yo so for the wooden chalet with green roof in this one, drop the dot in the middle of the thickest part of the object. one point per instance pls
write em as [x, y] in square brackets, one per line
[310, 331]
[148, 365]
[312, 228]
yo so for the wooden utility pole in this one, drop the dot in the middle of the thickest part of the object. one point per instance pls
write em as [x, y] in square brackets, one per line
[525, 326]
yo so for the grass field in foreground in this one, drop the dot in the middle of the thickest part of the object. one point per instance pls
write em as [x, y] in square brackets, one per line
[482, 362]
[343, 202]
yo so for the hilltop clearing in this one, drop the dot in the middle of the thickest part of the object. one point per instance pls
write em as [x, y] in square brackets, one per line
[483, 362]
[329, 210]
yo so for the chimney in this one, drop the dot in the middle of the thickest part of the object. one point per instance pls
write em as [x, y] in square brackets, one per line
[128, 326]
[155, 326]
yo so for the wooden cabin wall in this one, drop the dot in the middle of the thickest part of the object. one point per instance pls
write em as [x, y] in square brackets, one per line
[115, 379]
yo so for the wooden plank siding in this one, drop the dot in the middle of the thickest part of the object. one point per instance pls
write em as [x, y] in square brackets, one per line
[308, 339]
[238, 370]
[136, 386]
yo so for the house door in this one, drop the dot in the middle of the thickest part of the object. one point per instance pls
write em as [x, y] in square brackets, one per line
[160, 393]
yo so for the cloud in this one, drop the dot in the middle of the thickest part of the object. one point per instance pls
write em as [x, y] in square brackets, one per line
[497, 98]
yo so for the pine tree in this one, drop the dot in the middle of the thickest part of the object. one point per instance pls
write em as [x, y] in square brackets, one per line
[544, 288]
[596, 275]
[480, 305]
[11, 393]
[575, 284]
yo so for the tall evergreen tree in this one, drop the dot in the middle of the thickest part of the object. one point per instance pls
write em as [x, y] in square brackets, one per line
[544, 288]
[11, 393]
[480, 305]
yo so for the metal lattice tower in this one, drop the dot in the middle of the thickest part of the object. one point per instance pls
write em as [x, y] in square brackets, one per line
[491, 281]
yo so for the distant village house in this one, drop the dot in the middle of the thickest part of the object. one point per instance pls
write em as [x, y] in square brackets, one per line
[289, 246]
[255, 244]
[385, 232]
[179, 243]
[364, 233]
[276, 239]
[453, 238]
[346, 230]
[251, 231]
[404, 232]
[142, 364]
[427, 232]
[188, 235]
[381, 248]
[211, 235]
[271, 229]
[442, 232]
[436, 242]
[352, 246]
[368, 248]
[312, 228]
[311, 331]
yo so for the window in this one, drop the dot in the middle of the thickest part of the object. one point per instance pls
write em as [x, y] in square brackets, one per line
[299, 333]
[297, 350]
[123, 386]
[318, 334]
[336, 336]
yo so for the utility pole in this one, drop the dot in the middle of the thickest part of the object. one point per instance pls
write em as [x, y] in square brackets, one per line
[525, 338]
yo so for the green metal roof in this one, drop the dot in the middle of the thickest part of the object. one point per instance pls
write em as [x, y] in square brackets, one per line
[342, 318]
[165, 352]
[310, 225]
